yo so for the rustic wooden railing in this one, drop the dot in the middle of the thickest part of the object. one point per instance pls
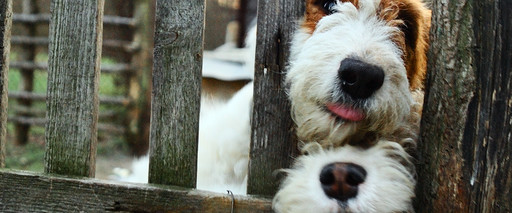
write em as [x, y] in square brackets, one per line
[72, 115]
[132, 69]
[464, 163]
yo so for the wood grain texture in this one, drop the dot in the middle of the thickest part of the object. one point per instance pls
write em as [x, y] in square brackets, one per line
[30, 192]
[466, 148]
[176, 92]
[5, 35]
[73, 73]
[273, 138]
[487, 138]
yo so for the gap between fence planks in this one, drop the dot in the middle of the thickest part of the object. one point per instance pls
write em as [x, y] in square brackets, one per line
[73, 73]
[176, 92]
[31, 192]
[273, 138]
[5, 34]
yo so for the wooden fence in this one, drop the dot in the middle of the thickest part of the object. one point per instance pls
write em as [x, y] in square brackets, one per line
[128, 40]
[465, 162]
[72, 117]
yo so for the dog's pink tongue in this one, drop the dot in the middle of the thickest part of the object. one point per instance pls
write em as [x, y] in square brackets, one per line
[346, 112]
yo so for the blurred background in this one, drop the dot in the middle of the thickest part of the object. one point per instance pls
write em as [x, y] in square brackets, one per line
[125, 81]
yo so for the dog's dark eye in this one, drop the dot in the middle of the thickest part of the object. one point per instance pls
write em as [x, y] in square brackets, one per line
[329, 6]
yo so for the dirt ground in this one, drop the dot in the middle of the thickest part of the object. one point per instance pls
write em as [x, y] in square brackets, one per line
[30, 157]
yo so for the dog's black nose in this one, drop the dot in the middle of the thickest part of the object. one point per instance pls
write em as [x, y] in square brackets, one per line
[359, 79]
[341, 180]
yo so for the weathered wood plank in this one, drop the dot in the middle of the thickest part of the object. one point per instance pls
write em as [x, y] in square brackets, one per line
[5, 34]
[487, 142]
[176, 92]
[30, 192]
[273, 139]
[73, 73]
[466, 148]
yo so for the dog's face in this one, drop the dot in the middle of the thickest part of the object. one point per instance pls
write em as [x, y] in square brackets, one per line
[353, 66]
[349, 179]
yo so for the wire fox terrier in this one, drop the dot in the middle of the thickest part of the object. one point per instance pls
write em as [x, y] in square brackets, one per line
[355, 82]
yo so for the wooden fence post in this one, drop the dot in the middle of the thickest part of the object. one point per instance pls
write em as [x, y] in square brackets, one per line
[27, 53]
[176, 92]
[72, 96]
[140, 81]
[465, 162]
[273, 137]
[5, 35]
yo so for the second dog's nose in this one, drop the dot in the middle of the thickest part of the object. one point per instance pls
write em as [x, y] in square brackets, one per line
[359, 79]
[341, 180]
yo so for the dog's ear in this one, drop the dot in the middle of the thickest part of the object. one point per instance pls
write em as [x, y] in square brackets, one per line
[415, 27]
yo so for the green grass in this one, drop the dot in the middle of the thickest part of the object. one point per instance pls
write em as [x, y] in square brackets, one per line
[30, 157]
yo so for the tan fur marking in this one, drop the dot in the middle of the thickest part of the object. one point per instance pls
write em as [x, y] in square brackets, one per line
[314, 13]
[410, 15]
[414, 21]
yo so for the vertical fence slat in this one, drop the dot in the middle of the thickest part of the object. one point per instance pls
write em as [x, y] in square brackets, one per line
[27, 52]
[273, 139]
[465, 162]
[176, 92]
[139, 82]
[73, 74]
[5, 34]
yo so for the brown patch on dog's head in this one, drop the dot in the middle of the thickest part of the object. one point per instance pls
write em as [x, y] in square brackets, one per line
[413, 19]
[410, 16]
[316, 10]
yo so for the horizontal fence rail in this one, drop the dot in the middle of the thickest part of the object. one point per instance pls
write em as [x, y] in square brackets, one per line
[119, 68]
[44, 41]
[45, 18]
[110, 128]
[118, 100]
[57, 194]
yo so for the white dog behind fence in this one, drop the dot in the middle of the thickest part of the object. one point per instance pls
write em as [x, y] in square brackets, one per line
[223, 152]
[355, 79]
[224, 127]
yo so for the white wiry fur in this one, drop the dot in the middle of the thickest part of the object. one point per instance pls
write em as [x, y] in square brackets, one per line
[390, 114]
[312, 76]
[224, 135]
[388, 186]
[224, 139]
